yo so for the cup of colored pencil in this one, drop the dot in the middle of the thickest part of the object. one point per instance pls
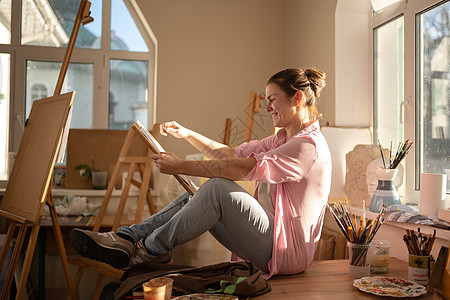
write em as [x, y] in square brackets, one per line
[419, 248]
[358, 234]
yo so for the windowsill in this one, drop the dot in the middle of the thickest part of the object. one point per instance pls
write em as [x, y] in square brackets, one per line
[440, 233]
[60, 192]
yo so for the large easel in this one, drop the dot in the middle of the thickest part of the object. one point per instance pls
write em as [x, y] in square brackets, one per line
[28, 186]
[27, 191]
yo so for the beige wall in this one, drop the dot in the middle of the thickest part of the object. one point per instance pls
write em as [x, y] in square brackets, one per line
[211, 53]
[353, 64]
[308, 41]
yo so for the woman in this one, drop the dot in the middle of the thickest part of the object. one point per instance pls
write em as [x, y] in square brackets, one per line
[278, 228]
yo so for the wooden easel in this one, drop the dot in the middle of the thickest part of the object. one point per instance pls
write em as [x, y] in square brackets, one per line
[252, 108]
[227, 132]
[28, 186]
[142, 164]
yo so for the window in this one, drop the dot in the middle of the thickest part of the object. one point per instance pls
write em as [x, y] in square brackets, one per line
[411, 90]
[433, 89]
[124, 37]
[79, 78]
[388, 85]
[5, 22]
[50, 23]
[128, 79]
[114, 55]
[4, 106]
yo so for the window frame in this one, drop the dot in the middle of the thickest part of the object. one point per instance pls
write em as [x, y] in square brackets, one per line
[409, 10]
[100, 58]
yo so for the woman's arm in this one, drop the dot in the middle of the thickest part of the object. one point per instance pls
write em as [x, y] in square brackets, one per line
[233, 168]
[208, 147]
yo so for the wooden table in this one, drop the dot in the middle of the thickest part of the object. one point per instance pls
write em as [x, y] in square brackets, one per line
[329, 279]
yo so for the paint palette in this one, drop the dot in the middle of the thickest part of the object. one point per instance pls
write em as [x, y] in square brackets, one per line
[389, 286]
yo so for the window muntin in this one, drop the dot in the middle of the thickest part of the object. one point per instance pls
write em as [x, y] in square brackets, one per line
[50, 23]
[433, 90]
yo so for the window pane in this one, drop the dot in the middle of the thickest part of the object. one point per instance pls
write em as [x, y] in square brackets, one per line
[4, 100]
[5, 22]
[124, 33]
[50, 23]
[41, 81]
[128, 90]
[434, 90]
[388, 82]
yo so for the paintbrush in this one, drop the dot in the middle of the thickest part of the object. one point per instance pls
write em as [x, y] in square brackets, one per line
[382, 156]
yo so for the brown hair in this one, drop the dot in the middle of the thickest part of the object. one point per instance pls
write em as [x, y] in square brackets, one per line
[310, 82]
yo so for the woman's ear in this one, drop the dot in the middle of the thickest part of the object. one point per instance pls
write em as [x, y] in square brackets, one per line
[298, 97]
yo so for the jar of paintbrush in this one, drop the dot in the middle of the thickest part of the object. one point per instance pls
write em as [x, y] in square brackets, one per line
[359, 235]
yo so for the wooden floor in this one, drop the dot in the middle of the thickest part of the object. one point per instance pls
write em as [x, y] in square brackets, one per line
[329, 279]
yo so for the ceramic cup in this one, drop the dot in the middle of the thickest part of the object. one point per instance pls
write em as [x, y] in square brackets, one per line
[419, 269]
[159, 288]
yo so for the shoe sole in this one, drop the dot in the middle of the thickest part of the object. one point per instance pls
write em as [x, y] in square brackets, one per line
[89, 248]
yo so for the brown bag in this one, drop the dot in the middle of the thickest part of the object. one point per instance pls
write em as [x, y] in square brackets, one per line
[240, 279]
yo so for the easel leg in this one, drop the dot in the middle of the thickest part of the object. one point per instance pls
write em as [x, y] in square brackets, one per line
[27, 261]
[99, 287]
[60, 244]
[144, 189]
[78, 277]
[148, 198]
[123, 198]
[14, 259]
[7, 242]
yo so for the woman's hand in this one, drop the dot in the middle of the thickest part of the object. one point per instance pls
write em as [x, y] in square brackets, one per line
[167, 163]
[174, 129]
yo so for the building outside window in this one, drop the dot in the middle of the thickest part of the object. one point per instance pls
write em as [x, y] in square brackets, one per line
[39, 91]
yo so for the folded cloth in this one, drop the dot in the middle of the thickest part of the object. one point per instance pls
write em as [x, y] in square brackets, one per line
[404, 214]
[241, 279]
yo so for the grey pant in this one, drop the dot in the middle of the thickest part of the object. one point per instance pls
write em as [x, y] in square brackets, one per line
[220, 206]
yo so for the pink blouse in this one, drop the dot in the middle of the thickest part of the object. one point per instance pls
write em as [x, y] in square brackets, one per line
[299, 173]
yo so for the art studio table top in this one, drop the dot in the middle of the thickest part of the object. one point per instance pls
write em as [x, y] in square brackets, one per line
[329, 279]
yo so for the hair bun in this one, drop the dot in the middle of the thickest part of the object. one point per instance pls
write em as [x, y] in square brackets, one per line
[317, 80]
